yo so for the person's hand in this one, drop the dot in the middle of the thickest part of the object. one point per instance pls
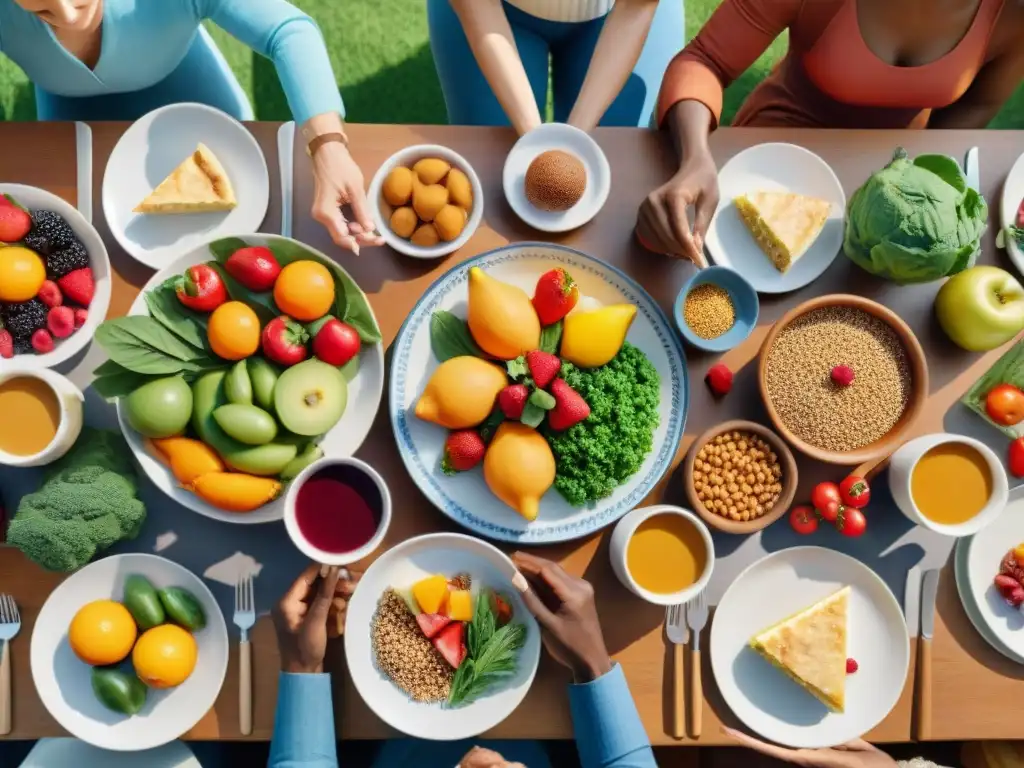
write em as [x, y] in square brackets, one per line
[339, 182]
[662, 223]
[310, 612]
[564, 607]
[478, 757]
[855, 754]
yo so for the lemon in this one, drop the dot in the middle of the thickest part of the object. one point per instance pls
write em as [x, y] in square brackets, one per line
[591, 339]
[22, 272]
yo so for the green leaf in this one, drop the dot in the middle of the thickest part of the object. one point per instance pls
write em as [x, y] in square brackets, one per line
[260, 303]
[1008, 369]
[187, 325]
[517, 368]
[450, 337]
[542, 399]
[491, 424]
[533, 415]
[350, 369]
[113, 381]
[10, 199]
[946, 168]
[550, 337]
[142, 344]
[223, 248]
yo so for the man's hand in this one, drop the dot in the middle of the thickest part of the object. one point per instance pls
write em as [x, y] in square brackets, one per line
[855, 754]
[302, 616]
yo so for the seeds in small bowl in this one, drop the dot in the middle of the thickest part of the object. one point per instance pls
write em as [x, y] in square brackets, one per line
[709, 311]
[737, 475]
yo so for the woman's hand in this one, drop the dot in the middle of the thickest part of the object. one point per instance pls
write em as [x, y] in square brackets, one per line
[856, 754]
[662, 224]
[339, 182]
[478, 757]
[564, 607]
[311, 611]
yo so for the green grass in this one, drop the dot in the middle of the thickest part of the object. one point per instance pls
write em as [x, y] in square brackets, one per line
[381, 56]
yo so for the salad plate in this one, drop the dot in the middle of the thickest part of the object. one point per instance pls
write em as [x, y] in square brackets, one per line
[1011, 212]
[970, 607]
[466, 497]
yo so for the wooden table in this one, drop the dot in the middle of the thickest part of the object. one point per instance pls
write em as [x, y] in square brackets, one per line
[972, 683]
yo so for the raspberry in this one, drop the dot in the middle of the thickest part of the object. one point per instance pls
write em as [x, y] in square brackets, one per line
[842, 376]
[1016, 597]
[719, 378]
[81, 315]
[6, 343]
[851, 666]
[50, 294]
[42, 341]
[61, 321]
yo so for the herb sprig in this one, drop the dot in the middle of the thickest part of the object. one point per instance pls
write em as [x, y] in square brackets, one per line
[492, 653]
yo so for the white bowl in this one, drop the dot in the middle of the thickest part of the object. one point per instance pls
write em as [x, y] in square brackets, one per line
[901, 468]
[381, 210]
[336, 558]
[1013, 193]
[62, 680]
[34, 198]
[624, 531]
[70, 399]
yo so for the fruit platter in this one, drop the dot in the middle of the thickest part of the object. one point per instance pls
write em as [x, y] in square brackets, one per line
[537, 394]
[54, 278]
[239, 365]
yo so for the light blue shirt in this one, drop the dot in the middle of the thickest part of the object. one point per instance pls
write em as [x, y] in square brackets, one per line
[145, 40]
[609, 733]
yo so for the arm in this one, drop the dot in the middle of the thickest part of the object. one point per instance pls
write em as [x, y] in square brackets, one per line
[994, 85]
[609, 733]
[617, 52]
[303, 723]
[490, 37]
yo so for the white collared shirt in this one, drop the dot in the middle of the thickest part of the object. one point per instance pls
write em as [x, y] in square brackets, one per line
[565, 10]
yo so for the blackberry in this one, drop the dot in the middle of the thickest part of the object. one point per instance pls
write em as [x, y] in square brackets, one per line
[23, 319]
[59, 263]
[50, 233]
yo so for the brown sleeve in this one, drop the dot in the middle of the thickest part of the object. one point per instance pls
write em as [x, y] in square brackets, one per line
[731, 40]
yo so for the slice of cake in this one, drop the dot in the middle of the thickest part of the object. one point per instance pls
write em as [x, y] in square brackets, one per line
[810, 647]
[198, 185]
[784, 224]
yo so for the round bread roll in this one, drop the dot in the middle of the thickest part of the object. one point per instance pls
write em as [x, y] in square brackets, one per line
[555, 181]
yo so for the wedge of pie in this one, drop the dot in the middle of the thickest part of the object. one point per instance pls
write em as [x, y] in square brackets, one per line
[810, 647]
[198, 185]
[784, 224]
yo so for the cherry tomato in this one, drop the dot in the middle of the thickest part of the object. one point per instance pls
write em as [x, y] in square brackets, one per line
[852, 523]
[855, 492]
[823, 493]
[1016, 460]
[1005, 405]
[803, 520]
[831, 511]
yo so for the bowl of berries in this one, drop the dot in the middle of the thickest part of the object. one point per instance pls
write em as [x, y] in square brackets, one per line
[54, 278]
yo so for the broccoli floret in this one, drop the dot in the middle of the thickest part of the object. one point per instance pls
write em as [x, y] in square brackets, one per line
[87, 503]
[599, 454]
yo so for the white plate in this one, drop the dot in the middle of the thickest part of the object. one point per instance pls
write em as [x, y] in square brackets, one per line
[575, 142]
[400, 567]
[985, 550]
[1013, 193]
[785, 583]
[971, 607]
[63, 680]
[34, 198]
[154, 146]
[782, 167]
[344, 439]
[466, 498]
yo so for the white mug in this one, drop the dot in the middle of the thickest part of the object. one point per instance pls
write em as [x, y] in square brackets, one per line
[70, 399]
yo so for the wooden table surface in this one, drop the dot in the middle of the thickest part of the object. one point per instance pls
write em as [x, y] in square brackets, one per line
[972, 683]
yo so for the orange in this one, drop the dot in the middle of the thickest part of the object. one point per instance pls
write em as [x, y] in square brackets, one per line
[102, 633]
[164, 656]
[304, 290]
[21, 273]
[233, 330]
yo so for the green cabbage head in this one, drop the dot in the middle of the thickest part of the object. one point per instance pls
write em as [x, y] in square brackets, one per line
[915, 220]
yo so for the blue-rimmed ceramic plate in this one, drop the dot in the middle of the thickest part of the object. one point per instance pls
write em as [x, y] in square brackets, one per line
[465, 498]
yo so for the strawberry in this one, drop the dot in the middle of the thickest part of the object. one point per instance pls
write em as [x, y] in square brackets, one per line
[555, 296]
[719, 378]
[449, 644]
[14, 223]
[570, 408]
[432, 623]
[61, 321]
[463, 450]
[6, 344]
[50, 294]
[544, 367]
[78, 286]
[42, 341]
[81, 315]
[512, 400]
[1006, 584]
[851, 666]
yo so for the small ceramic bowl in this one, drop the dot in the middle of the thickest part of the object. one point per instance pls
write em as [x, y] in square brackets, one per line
[382, 210]
[744, 301]
[70, 399]
[311, 550]
[789, 478]
[624, 531]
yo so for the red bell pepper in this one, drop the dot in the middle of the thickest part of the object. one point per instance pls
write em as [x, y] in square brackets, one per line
[201, 289]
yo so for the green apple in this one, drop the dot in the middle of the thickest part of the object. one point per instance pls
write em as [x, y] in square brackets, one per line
[981, 308]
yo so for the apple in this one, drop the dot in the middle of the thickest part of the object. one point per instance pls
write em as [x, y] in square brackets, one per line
[981, 308]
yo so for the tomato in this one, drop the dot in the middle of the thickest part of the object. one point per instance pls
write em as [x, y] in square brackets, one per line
[831, 511]
[855, 492]
[1005, 405]
[823, 493]
[1016, 460]
[803, 520]
[852, 523]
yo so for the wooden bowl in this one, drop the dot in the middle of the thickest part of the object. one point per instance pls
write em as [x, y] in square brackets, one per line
[918, 376]
[789, 478]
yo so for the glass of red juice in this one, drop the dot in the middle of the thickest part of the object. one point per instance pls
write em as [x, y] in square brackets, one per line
[337, 510]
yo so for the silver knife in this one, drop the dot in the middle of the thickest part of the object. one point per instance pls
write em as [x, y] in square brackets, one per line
[912, 600]
[929, 590]
[972, 170]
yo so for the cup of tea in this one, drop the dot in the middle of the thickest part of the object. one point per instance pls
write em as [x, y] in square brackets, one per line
[337, 510]
[41, 416]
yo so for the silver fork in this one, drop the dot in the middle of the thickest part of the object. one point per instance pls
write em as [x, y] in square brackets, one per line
[10, 623]
[678, 633]
[245, 617]
[696, 617]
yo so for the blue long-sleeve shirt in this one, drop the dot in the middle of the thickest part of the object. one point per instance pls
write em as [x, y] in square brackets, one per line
[609, 733]
[143, 41]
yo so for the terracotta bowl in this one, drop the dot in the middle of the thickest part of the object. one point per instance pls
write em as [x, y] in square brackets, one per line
[918, 376]
[789, 478]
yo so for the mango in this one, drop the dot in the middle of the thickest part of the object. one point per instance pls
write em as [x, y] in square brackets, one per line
[425, 236]
[461, 393]
[397, 186]
[519, 467]
[591, 339]
[430, 593]
[428, 200]
[460, 190]
[189, 458]
[431, 169]
[234, 491]
[460, 605]
[449, 222]
[404, 221]
[501, 317]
